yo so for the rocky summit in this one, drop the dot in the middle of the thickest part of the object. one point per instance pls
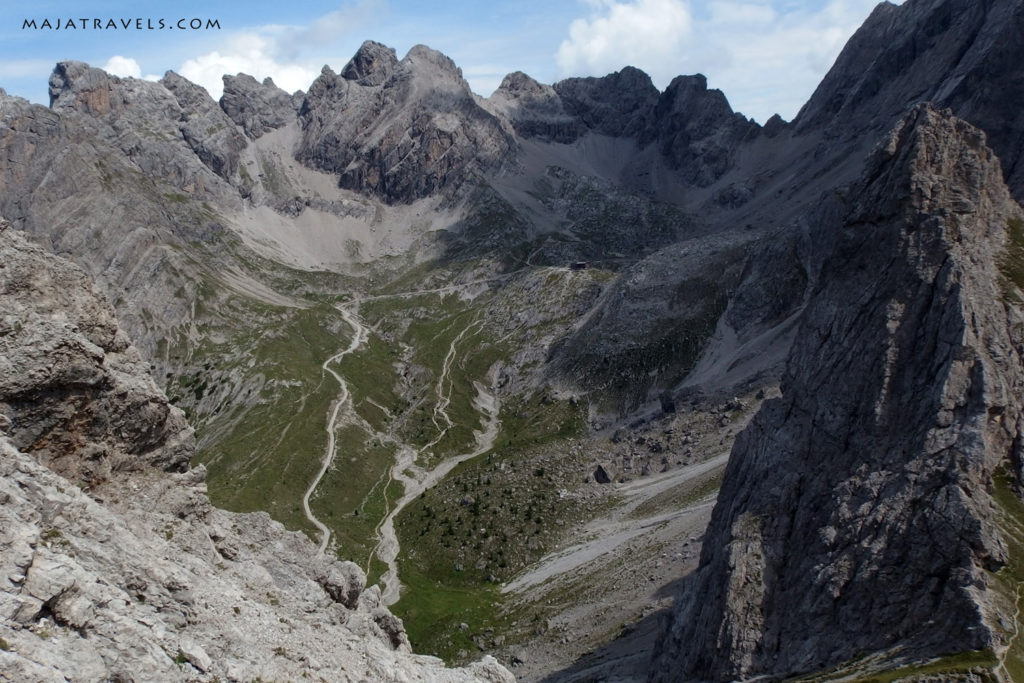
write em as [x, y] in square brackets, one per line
[581, 381]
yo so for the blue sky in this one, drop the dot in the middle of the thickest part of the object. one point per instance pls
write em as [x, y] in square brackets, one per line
[766, 55]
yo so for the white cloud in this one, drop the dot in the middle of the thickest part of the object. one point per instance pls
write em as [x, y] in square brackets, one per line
[284, 53]
[123, 66]
[723, 12]
[249, 53]
[766, 55]
[646, 33]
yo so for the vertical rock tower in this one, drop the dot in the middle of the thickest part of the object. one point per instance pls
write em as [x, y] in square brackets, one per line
[859, 515]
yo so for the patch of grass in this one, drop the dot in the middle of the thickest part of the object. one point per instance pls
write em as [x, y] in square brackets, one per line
[428, 326]
[370, 372]
[497, 513]
[433, 612]
[273, 452]
[538, 420]
[959, 663]
[1011, 263]
[1011, 576]
[351, 496]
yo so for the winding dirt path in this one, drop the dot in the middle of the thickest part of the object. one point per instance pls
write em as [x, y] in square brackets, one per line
[359, 336]
[416, 480]
[405, 470]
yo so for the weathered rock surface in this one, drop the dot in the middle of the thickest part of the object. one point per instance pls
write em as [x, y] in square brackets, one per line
[257, 107]
[535, 110]
[114, 569]
[856, 515]
[399, 130]
[697, 130]
[955, 53]
[74, 393]
[651, 326]
[620, 104]
[205, 127]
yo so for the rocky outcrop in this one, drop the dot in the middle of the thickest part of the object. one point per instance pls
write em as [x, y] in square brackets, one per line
[73, 392]
[114, 569]
[856, 516]
[697, 130]
[619, 104]
[206, 129]
[401, 130]
[121, 175]
[957, 53]
[372, 64]
[694, 128]
[645, 336]
[143, 120]
[257, 107]
[535, 110]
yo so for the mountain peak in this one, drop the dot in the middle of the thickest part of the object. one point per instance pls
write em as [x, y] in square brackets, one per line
[372, 64]
[257, 107]
[436, 62]
[80, 86]
[518, 82]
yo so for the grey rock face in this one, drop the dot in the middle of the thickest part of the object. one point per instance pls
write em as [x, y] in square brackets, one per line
[73, 392]
[142, 579]
[619, 104]
[856, 516]
[956, 53]
[535, 110]
[372, 64]
[399, 131]
[644, 336]
[122, 176]
[257, 107]
[147, 123]
[697, 129]
[206, 129]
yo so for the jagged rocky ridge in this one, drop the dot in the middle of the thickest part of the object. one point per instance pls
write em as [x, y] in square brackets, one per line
[154, 215]
[856, 516]
[115, 565]
[955, 53]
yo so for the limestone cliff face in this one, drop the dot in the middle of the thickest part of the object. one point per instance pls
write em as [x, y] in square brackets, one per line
[115, 566]
[120, 174]
[258, 107]
[693, 128]
[73, 392]
[697, 131]
[960, 54]
[856, 514]
[399, 130]
[535, 110]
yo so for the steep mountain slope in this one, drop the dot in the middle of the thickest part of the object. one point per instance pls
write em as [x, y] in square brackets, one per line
[117, 569]
[862, 498]
[427, 233]
[955, 53]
